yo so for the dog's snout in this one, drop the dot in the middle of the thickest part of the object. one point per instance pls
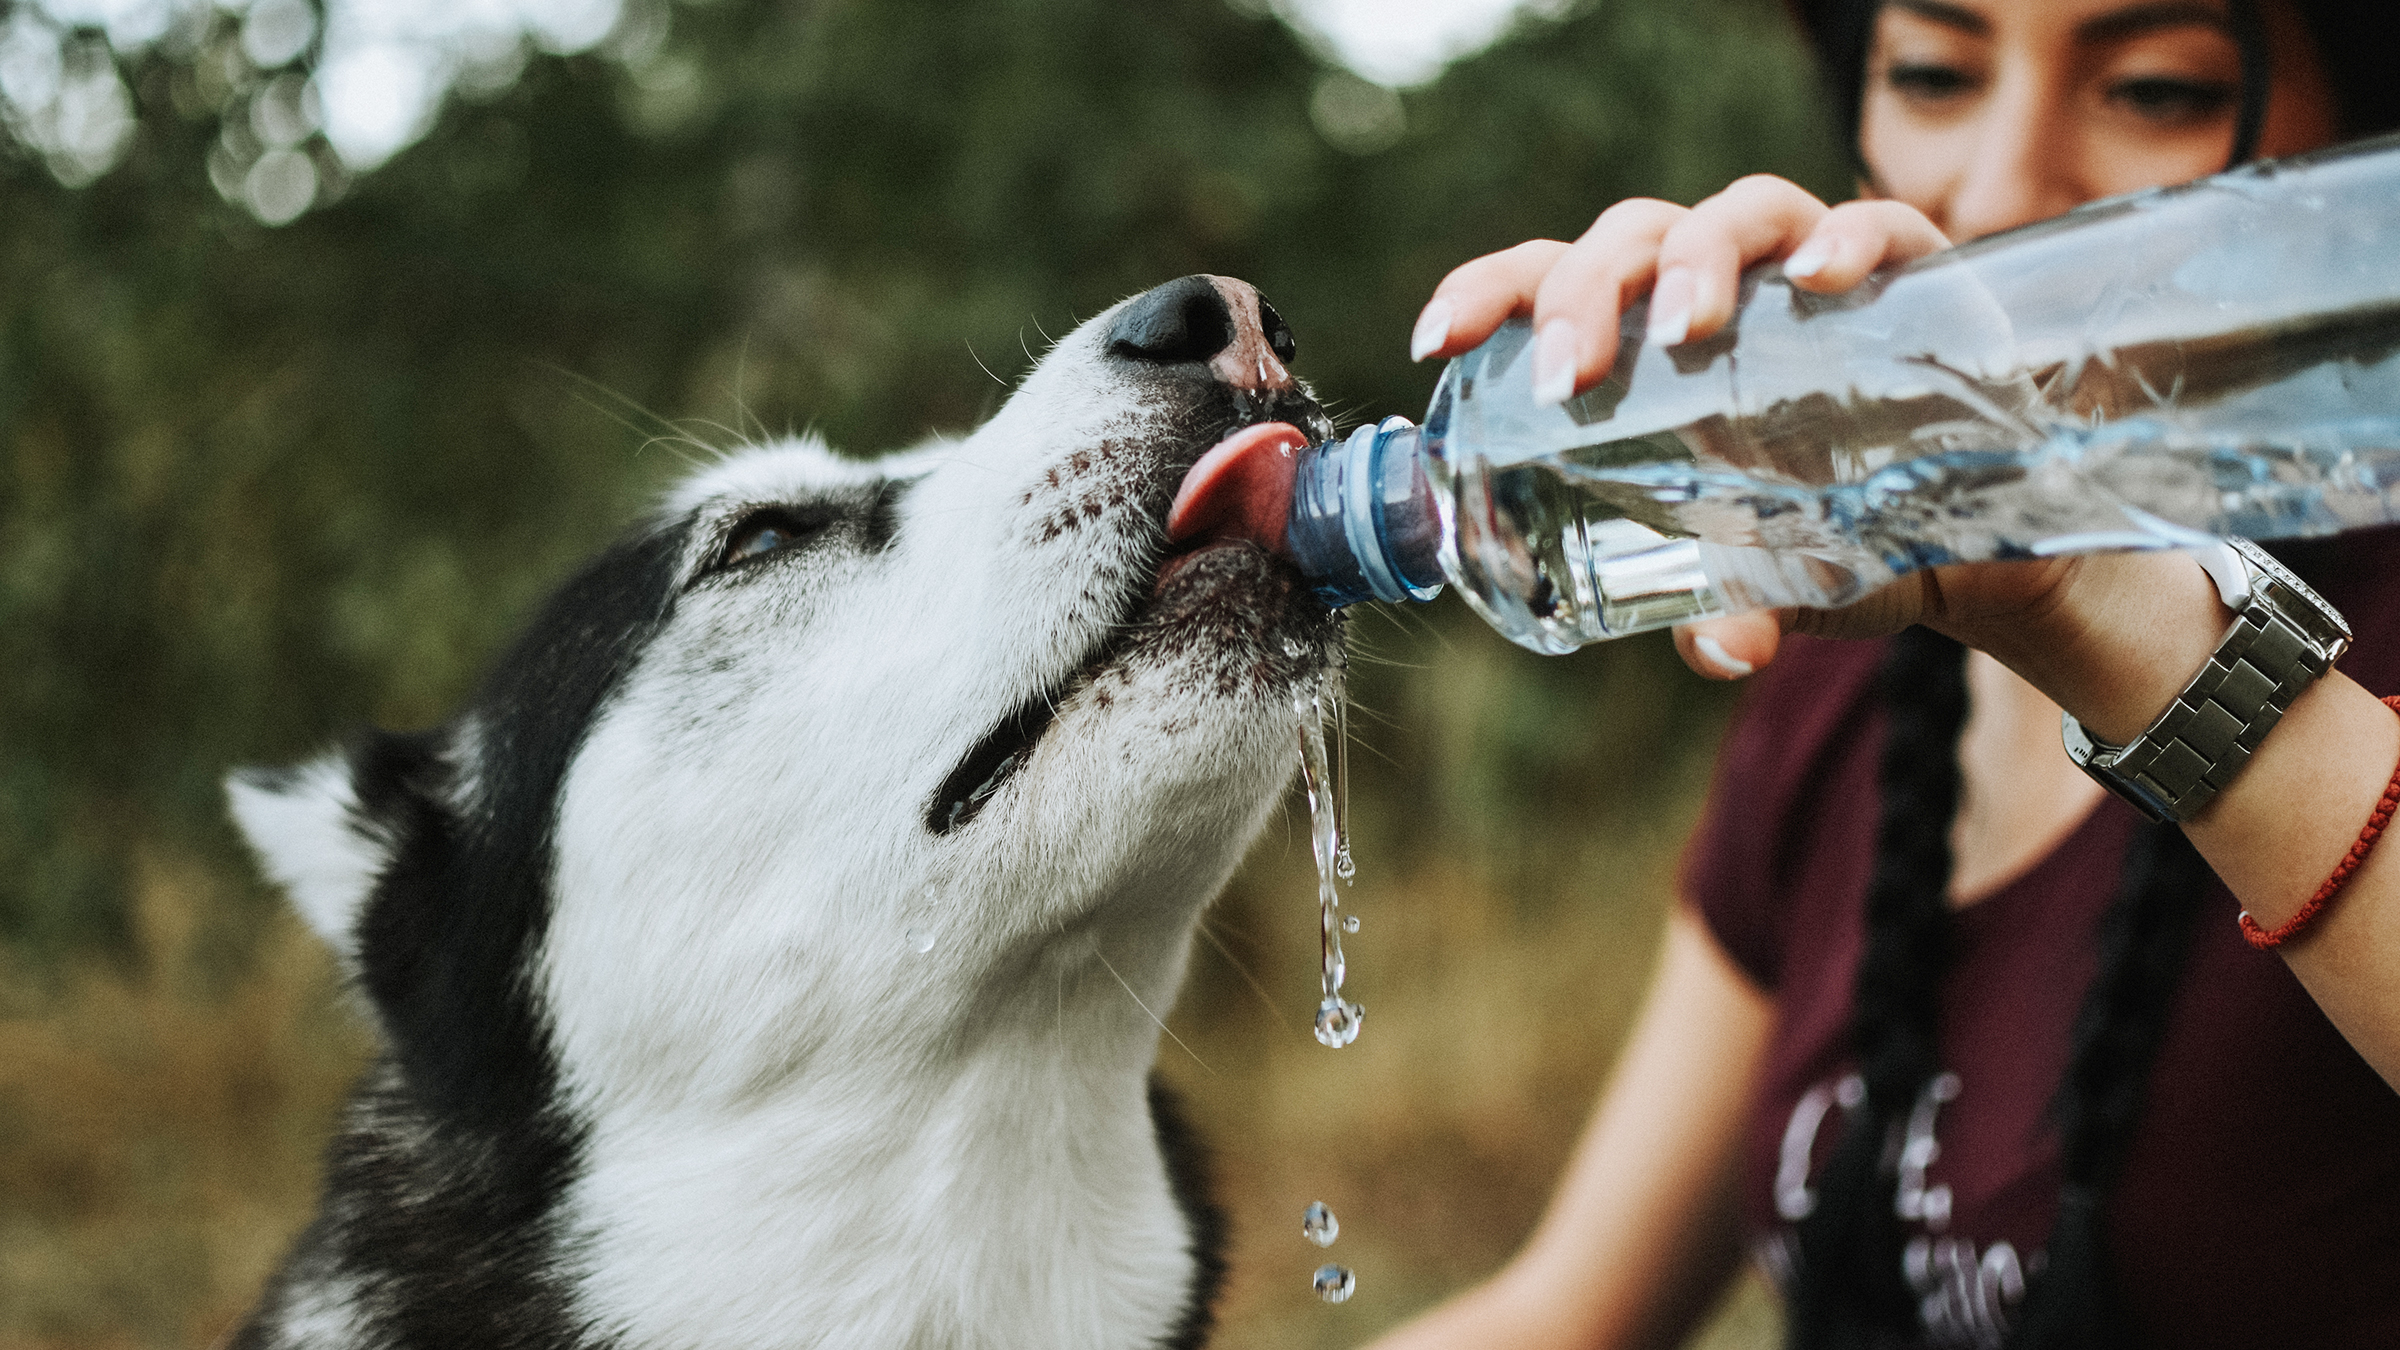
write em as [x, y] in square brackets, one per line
[1218, 321]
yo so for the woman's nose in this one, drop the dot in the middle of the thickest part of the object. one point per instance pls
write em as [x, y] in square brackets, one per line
[2021, 166]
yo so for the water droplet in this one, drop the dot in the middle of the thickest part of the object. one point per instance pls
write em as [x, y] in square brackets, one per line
[920, 940]
[1319, 1225]
[1343, 867]
[1350, 923]
[1292, 649]
[1337, 1023]
[1335, 1284]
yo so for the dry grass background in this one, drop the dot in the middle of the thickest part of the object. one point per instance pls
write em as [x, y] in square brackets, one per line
[160, 1118]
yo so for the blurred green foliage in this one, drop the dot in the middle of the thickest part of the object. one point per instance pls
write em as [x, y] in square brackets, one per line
[258, 485]
[261, 483]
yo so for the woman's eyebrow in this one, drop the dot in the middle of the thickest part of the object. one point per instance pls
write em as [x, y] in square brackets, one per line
[2117, 25]
[1949, 16]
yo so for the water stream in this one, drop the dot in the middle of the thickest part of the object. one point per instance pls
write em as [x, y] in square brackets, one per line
[1327, 781]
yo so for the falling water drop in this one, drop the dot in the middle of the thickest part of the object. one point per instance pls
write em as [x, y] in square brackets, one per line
[1337, 1022]
[920, 940]
[1335, 1284]
[1319, 1225]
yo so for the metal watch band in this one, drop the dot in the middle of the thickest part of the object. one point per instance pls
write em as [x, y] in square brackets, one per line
[2284, 637]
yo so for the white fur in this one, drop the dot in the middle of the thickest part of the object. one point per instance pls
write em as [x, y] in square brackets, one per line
[778, 1081]
[313, 841]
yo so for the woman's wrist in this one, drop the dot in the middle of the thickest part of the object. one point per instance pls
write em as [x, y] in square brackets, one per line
[2116, 640]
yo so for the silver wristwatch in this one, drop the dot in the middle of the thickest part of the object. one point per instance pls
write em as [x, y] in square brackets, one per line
[2283, 639]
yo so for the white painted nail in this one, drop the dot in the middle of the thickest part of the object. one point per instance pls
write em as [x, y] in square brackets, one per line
[1723, 661]
[1554, 362]
[1810, 259]
[1671, 308]
[1433, 329]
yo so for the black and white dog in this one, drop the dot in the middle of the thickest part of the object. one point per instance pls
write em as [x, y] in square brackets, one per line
[769, 955]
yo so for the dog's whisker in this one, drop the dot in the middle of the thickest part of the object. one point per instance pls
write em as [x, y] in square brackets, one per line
[977, 357]
[1209, 931]
[1102, 958]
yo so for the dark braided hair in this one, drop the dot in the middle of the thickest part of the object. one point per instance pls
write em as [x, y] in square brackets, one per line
[1849, 1293]
[1848, 1290]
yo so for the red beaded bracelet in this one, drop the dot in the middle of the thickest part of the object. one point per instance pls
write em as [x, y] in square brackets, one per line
[2269, 939]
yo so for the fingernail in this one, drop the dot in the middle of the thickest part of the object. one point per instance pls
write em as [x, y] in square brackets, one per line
[1554, 362]
[1725, 663]
[1433, 329]
[1810, 259]
[1671, 307]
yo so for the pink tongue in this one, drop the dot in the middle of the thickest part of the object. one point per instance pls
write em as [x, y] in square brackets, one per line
[1242, 489]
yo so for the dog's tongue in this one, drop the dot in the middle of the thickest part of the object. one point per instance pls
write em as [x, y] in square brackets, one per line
[1242, 489]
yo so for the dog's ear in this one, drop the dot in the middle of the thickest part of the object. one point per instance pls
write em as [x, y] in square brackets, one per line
[313, 838]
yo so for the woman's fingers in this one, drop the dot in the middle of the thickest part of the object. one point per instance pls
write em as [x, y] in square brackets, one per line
[1587, 284]
[1854, 239]
[1576, 307]
[1731, 647]
[1736, 645]
[1689, 261]
[1478, 295]
[1700, 260]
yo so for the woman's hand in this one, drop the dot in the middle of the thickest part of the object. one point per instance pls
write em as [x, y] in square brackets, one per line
[1689, 261]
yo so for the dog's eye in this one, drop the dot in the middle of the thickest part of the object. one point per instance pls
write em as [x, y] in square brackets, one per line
[765, 532]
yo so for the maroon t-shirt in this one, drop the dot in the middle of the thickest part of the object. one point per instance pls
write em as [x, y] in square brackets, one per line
[2260, 1202]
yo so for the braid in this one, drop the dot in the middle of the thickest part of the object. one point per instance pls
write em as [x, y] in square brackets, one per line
[1848, 1292]
[1848, 1289]
[2144, 939]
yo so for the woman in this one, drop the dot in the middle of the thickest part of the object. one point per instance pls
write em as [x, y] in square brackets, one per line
[1881, 1052]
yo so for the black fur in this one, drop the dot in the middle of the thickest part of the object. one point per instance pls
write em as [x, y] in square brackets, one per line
[452, 1158]
[1188, 1174]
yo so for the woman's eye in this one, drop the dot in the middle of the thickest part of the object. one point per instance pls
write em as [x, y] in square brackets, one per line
[2172, 101]
[1927, 81]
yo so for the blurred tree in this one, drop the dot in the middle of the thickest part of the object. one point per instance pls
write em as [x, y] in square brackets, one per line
[264, 482]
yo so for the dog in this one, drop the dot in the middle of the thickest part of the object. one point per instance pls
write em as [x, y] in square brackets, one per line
[772, 952]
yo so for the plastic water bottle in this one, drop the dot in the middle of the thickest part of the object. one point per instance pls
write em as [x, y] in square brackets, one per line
[2217, 358]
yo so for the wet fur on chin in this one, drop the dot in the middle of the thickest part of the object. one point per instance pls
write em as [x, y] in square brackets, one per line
[664, 1063]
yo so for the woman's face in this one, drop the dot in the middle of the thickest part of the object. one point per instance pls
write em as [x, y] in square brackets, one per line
[1985, 114]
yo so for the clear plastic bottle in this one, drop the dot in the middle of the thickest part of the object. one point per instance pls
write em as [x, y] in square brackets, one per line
[2217, 358]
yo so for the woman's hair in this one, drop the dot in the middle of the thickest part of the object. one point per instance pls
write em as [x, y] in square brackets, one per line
[2356, 42]
[1848, 1289]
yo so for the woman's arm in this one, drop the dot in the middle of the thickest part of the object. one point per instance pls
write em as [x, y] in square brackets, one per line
[1643, 1228]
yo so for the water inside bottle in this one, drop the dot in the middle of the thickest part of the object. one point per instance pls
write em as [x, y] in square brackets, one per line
[2269, 431]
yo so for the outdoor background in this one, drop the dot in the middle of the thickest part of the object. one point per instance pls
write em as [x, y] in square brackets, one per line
[305, 397]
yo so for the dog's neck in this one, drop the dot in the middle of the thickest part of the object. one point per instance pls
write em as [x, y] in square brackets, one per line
[916, 1167]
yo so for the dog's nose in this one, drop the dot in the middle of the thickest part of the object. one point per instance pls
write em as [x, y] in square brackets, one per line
[1184, 320]
[1217, 320]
